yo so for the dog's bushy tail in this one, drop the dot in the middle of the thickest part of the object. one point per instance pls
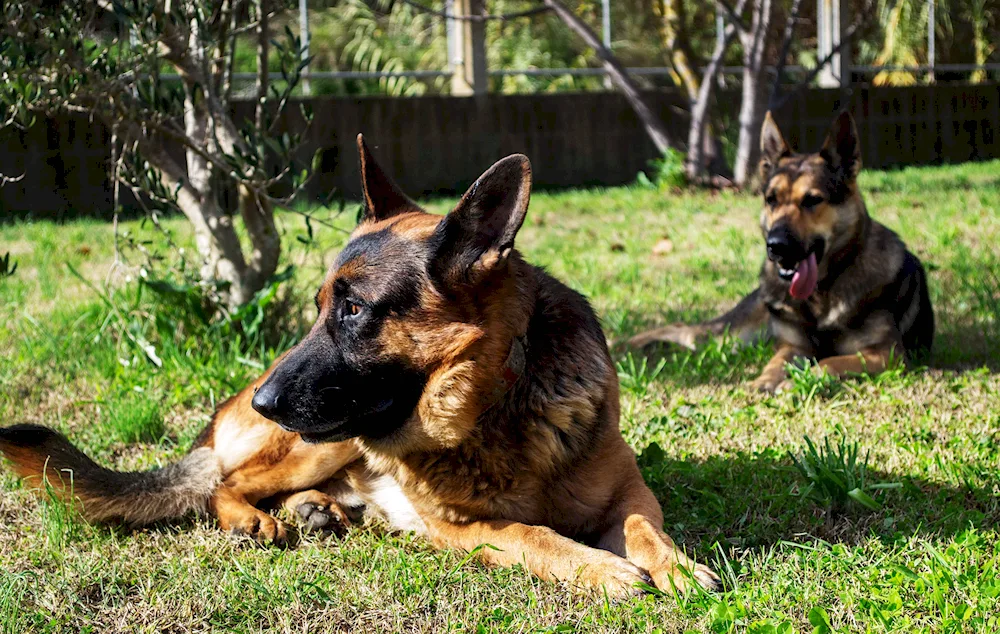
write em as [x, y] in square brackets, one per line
[41, 455]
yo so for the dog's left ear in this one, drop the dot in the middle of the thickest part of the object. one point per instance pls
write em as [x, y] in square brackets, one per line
[842, 149]
[476, 238]
[383, 198]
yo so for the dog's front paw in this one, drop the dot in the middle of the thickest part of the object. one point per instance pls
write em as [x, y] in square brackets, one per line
[682, 577]
[784, 386]
[767, 384]
[614, 575]
[327, 518]
[262, 527]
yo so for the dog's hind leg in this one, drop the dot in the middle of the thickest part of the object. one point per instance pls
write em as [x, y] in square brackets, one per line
[747, 320]
[635, 532]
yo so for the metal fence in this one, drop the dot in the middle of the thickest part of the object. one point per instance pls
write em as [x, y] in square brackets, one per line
[828, 30]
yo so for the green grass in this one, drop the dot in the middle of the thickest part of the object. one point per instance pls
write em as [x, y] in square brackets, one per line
[134, 420]
[924, 557]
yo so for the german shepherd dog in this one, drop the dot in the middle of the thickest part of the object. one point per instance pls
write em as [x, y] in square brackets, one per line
[447, 385]
[836, 285]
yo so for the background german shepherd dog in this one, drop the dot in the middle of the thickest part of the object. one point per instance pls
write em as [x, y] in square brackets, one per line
[447, 385]
[836, 285]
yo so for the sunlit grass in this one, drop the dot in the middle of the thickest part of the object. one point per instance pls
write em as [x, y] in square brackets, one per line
[721, 459]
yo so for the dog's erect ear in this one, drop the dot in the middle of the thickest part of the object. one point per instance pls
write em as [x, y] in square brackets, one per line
[383, 198]
[772, 146]
[841, 148]
[476, 238]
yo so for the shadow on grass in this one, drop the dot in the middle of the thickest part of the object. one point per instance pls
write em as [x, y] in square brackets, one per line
[752, 501]
[966, 344]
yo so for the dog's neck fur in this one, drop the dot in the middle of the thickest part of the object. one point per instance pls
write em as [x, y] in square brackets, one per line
[853, 244]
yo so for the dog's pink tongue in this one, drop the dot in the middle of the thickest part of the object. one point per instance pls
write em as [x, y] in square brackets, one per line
[804, 280]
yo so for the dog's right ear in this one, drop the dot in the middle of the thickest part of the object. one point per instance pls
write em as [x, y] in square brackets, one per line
[477, 237]
[842, 149]
[383, 198]
[772, 146]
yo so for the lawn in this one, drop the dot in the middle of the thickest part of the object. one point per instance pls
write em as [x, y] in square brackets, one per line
[88, 350]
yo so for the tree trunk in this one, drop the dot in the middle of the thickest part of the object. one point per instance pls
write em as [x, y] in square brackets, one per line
[753, 102]
[701, 143]
[255, 208]
[215, 236]
[752, 108]
[657, 132]
[199, 196]
[672, 29]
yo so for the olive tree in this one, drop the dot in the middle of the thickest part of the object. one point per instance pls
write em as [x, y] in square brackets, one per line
[160, 76]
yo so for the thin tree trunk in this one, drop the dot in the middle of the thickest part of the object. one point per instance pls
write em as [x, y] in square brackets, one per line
[786, 45]
[657, 132]
[254, 206]
[752, 105]
[697, 156]
[779, 98]
[263, 42]
[206, 122]
[215, 235]
[673, 39]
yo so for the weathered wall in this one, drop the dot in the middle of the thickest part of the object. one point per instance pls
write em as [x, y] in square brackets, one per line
[441, 144]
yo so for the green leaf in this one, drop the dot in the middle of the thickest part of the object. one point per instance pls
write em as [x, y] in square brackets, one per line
[864, 499]
[653, 454]
[820, 621]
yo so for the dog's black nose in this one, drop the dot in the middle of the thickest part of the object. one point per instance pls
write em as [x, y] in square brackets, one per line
[269, 402]
[784, 247]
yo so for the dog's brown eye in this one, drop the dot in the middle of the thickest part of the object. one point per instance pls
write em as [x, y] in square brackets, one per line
[811, 200]
[353, 309]
[771, 200]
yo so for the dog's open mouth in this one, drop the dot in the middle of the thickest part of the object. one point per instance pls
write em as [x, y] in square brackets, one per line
[803, 277]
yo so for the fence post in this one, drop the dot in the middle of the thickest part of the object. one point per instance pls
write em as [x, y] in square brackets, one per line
[930, 38]
[469, 75]
[831, 22]
[304, 36]
[606, 33]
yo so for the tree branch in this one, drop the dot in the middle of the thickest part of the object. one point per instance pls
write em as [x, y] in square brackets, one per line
[786, 45]
[699, 113]
[618, 75]
[262, 70]
[820, 64]
[734, 16]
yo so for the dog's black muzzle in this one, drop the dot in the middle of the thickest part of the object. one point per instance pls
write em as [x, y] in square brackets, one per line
[787, 250]
[315, 393]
